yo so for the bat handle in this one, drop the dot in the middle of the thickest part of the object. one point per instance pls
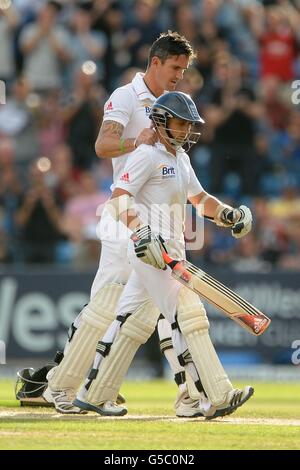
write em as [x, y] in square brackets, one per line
[166, 257]
[169, 261]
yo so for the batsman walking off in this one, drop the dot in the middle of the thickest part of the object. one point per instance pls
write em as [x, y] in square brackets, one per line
[149, 198]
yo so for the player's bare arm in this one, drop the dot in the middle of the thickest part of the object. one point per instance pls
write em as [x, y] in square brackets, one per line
[223, 215]
[110, 144]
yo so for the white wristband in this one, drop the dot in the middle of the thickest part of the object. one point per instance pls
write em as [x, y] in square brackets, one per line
[119, 205]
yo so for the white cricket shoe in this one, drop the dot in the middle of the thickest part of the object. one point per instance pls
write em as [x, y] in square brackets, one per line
[62, 400]
[187, 407]
[236, 398]
[107, 408]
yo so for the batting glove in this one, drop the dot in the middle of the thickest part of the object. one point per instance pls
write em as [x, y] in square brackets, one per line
[240, 220]
[148, 247]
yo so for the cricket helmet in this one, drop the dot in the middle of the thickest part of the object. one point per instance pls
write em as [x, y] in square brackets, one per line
[176, 104]
[31, 383]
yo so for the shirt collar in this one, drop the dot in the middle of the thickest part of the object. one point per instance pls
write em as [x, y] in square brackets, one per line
[163, 148]
[141, 89]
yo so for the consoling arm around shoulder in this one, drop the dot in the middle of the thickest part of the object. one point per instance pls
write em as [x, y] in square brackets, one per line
[109, 143]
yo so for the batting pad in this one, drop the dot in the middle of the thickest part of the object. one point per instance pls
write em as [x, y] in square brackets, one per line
[136, 330]
[96, 318]
[194, 326]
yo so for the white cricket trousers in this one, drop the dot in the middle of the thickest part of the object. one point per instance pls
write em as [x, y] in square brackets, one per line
[114, 266]
[146, 281]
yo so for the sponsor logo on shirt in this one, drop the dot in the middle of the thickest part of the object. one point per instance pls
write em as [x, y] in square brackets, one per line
[109, 107]
[125, 178]
[167, 171]
[147, 106]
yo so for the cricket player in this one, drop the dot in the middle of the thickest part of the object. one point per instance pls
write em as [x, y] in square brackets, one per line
[126, 126]
[150, 201]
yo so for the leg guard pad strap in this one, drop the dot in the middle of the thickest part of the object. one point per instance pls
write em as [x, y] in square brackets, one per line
[134, 332]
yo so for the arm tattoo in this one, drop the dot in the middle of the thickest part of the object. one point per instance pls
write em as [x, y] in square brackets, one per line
[112, 129]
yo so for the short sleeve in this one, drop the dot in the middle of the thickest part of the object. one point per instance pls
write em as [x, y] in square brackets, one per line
[63, 39]
[27, 34]
[119, 107]
[138, 170]
[195, 186]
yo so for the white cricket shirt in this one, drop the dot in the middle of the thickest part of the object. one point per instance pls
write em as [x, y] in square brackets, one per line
[129, 105]
[161, 185]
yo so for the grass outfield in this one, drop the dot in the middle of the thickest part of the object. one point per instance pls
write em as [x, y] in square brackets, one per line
[270, 420]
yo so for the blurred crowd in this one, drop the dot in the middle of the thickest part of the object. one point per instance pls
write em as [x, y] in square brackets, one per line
[61, 59]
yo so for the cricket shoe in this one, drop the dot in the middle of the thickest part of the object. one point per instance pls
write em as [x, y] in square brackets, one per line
[120, 399]
[107, 408]
[63, 400]
[187, 407]
[236, 398]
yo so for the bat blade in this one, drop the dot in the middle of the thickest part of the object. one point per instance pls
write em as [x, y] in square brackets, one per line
[230, 303]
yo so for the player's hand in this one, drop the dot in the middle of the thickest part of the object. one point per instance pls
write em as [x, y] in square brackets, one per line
[147, 136]
[244, 224]
[240, 220]
[148, 247]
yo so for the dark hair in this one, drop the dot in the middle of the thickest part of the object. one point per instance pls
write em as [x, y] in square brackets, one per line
[169, 44]
[55, 4]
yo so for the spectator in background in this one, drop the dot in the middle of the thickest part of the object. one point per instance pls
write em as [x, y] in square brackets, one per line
[18, 121]
[221, 248]
[291, 147]
[291, 259]
[248, 256]
[10, 193]
[288, 205]
[3, 249]
[276, 107]
[191, 83]
[211, 29]
[232, 117]
[9, 20]
[117, 57]
[63, 176]
[143, 31]
[80, 214]
[103, 174]
[6, 153]
[82, 115]
[186, 22]
[85, 43]
[46, 46]
[129, 75]
[39, 219]
[270, 231]
[276, 29]
[51, 131]
[81, 218]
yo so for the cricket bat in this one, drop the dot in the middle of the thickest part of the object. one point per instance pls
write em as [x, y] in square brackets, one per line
[230, 303]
